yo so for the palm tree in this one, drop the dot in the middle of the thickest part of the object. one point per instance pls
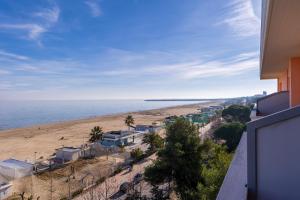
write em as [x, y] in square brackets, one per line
[96, 134]
[129, 121]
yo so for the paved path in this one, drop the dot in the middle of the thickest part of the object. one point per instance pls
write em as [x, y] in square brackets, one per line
[205, 130]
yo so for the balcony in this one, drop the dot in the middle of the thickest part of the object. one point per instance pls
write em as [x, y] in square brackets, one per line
[266, 163]
[235, 182]
[273, 103]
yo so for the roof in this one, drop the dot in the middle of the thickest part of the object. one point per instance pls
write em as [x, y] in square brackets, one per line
[115, 132]
[16, 164]
[70, 149]
[5, 186]
[280, 36]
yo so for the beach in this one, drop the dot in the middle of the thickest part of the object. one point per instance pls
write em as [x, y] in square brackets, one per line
[22, 143]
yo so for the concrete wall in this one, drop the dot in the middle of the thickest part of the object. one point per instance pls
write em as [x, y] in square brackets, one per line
[273, 156]
[294, 81]
[273, 103]
[234, 184]
[278, 161]
[68, 156]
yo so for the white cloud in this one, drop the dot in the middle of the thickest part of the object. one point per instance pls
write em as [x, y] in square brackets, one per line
[34, 29]
[194, 69]
[9, 55]
[51, 15]
[220, 69]
[4, 72]
[94, 7]
[242, 19]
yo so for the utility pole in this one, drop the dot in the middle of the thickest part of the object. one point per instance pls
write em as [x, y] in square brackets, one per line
[63, 154]
[51, 180]
[35, 161]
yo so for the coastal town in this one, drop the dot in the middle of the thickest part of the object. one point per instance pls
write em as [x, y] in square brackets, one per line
[72, 171]
[149, 100]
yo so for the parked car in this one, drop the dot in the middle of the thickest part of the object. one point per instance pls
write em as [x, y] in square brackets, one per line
[124, 187]
[137, 178]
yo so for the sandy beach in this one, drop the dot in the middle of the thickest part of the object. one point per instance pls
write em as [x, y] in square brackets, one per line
[21, 143]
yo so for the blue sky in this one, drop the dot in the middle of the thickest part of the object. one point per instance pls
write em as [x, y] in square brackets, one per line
[125, 49]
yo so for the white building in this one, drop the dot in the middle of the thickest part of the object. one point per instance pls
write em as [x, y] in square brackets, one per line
[147, 128]
[5, 187]
[12, 169]
[68, 154]
[118, 138]
[5, 190]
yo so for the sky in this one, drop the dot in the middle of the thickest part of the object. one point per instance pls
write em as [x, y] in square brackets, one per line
[129, 49]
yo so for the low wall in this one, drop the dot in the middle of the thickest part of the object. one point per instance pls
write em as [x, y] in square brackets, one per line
[273, 103]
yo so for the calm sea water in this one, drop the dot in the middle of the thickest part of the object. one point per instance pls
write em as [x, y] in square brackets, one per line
[16, 114]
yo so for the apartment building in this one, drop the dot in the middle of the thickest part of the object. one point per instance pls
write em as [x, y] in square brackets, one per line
[266, 164]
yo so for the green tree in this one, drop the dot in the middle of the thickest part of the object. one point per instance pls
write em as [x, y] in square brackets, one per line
[154, 141]
[129, 121]
[137, 154]
[231, 133]
[214, 168]
[96, 134]
[237, 113]
[179, 161]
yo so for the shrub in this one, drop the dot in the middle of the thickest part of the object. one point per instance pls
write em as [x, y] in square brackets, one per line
[237, 113]
[231, 133]
[137, 154]
[77, 192]
[118, 170]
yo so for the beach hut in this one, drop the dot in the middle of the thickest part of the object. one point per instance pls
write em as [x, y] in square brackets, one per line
[68, 154]
[12, 169]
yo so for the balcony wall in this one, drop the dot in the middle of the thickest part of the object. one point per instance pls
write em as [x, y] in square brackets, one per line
[273, 103]
[273, 156]
[234, 184]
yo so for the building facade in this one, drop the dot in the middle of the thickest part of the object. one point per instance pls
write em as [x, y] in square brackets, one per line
[266, 164]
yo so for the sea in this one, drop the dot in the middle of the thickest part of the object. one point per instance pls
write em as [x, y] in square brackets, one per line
[17, 114]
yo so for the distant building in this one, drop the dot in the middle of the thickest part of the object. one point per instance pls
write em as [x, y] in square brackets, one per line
[170, 119]
[147, 128]
[12, 169]
[66, 154]
[264, 93]
[118, 138]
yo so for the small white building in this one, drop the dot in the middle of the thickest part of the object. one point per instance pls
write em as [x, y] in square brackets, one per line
[147, 128]
[5, 190]
[68, 154]
[118, 138]
[12, 169]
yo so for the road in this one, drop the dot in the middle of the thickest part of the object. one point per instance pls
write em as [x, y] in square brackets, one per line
[204, 130]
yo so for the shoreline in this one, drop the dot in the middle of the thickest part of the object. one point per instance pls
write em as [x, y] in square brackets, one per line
[100, 116]
[21, 143]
